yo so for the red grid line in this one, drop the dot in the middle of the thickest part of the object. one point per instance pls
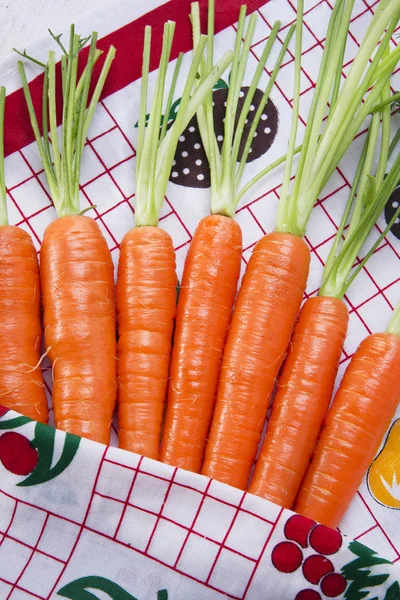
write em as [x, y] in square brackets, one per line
[22, 589]
[160, 513]
[397, 552]
[225, 538]
[15, 585]
[82, 527]
[186, 528]
[37, 550]
[262, 554]
[52, 514]
[127, 498]
[190, 529]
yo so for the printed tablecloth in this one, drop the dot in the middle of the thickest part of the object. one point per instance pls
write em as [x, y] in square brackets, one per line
[129, 527]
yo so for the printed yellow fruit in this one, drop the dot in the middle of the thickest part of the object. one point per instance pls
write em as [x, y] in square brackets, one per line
[384, 473]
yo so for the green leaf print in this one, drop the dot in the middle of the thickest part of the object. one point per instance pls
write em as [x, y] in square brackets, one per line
[393, 592]
[360, 573]
[14, 423]
[44, 441]
[79, 590]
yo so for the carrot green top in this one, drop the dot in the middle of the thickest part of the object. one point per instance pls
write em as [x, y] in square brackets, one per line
[321, 152]
[157, 145]
[3, 197]
[368, 197]
[62, 160]
[225, 168]
[394, 325]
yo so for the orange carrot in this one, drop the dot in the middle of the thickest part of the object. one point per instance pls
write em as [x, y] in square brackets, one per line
[21, 381]
[208, 289]
[275, 278]
[270, 297]
[301, 401]
[355, 425]
[213, 262]
[146, 302]
[306, 384]
[146, 286]
[79, 319]
[75, 263]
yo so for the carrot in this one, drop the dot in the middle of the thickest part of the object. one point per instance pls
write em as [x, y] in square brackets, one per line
[301, 401]
[212, 265]
[203, 316]
[270, 296]
[306, 383]
[360, 415]
[273, 285]
[146, 285]
[21, 382]
[76, 271]
[76, 266]
[146, 304]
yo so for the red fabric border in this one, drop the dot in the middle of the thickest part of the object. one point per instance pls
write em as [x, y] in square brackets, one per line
[126, 67]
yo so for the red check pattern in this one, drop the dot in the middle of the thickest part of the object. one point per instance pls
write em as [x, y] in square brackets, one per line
[108, 187]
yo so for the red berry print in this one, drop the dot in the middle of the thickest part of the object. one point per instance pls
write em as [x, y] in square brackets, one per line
[325, 540]
[297, 529]
[3, 410]
[287, 557]
[333, 585]
[308, 595]
[17, 453]
[315, 567]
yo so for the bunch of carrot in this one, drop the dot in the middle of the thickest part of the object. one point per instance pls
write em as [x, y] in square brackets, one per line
[216, 377]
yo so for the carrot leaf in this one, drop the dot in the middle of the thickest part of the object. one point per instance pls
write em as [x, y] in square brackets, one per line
[62, 157]
[156, 143]
[3, 195]
[349, 106]
[394, 324]
[367, 199]
[225, 168]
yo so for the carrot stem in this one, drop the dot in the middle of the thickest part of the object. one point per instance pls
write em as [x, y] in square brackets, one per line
[3, 195]
[256, 121]
[321, 153]
[157, 145]
[394, 324]
[284, 204]
[247, 103]
[62, 165]
[143, 94]
[387, 102]
[171, 96]
[339, 279]
[224, 171]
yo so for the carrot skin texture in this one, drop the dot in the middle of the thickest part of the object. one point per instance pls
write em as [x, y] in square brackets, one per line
[302, 398]
[207, 293]
[359, 417]
[146, 307]
[79, 319]
[21, 382]
[266, 309]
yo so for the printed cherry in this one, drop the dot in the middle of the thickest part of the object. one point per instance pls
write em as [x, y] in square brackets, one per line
[315, 567]
[287, 557]
[308, 595]
[3, 410]
[333, 585]
[325, 540]
[17, 453]
[297, 529]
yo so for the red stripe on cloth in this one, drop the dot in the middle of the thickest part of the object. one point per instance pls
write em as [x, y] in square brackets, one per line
[126, 68]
